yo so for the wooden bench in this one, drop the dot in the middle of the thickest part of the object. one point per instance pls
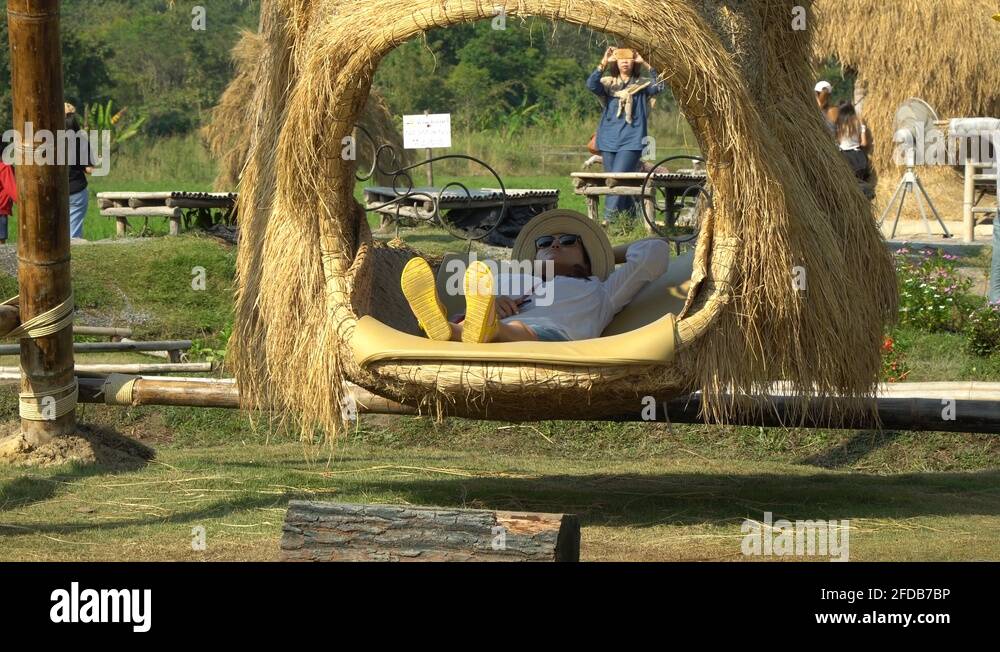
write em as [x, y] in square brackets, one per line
[674, 185]
[172, 205]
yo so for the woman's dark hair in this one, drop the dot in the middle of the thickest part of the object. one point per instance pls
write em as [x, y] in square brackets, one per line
[848, 124]
[72, 123]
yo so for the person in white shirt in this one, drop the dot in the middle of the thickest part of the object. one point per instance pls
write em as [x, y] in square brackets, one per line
[574, 297]
[854, 140]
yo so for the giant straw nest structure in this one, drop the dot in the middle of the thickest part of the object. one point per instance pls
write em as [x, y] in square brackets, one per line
[784, 206]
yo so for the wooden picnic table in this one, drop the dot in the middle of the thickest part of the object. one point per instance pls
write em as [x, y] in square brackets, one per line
[170, 204]
[418, 203]
[594, 185]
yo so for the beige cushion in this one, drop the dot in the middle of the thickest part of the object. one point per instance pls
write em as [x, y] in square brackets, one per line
[643, 333]
[373, 341]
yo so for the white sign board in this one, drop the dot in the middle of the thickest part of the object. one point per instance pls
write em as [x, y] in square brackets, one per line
[431, 131]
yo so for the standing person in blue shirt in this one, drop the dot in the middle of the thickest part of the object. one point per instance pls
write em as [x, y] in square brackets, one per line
[622, 132]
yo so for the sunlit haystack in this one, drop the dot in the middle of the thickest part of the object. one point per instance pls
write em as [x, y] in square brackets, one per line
[942, 51]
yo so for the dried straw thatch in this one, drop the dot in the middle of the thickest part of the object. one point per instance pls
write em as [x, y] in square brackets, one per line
[784, 203]
[942, 51]
[227, 135]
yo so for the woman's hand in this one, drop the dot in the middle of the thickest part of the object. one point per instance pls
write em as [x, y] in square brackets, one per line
[505, 307]
[638, 58]
[607, 55]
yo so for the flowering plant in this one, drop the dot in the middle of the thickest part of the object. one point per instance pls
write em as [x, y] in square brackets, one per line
[930, 289]
[894, 367]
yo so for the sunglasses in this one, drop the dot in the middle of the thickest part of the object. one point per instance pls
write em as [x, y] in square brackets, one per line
[546, 241]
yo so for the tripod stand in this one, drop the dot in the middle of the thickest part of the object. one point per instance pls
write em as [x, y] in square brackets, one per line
[911, 183]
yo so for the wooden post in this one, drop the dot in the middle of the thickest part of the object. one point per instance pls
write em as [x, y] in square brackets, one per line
[121, 224]
[43, 224]
[969, 199]
[316, 531]
[650, 203]
[594, 207]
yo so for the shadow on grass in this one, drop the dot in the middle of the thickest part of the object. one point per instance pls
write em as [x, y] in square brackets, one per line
[113, 454]
[632, 500]
[853, 450]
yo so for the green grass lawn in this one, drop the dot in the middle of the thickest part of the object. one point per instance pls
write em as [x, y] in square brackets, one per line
[644, 491]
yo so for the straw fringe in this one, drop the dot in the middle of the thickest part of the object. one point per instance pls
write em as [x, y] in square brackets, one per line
[783, 199]
[227, 133]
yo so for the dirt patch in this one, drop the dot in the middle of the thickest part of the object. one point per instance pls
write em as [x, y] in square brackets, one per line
[89, 445]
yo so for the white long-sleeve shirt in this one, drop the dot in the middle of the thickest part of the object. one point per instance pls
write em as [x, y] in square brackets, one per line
[583, 308]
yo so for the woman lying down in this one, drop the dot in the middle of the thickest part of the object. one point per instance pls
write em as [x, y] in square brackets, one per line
[579, 292]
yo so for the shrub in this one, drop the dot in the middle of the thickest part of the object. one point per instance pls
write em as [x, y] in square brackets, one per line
[982, 332]
[930, 289]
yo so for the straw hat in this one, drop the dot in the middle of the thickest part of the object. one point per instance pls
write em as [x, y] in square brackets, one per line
[70, 109]
[623, 53]
[595, 240]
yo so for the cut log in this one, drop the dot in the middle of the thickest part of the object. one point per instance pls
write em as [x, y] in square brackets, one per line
[10, 318]
[315, 531]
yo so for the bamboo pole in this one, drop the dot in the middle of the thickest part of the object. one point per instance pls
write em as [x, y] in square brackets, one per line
[943, 407]
[43, 223]
[128, 368]
[126, 345]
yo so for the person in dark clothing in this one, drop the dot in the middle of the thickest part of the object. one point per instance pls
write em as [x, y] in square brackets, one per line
[622, 134]
[81, 164]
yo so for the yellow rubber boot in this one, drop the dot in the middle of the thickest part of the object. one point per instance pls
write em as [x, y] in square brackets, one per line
[420, 291]
[481, 322]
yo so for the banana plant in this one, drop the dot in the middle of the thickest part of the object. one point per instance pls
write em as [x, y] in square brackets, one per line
[104, 118]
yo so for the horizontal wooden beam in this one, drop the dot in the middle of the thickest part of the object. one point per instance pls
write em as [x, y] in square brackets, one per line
[944, 407]
[106, 331]
[151, 211]
[109, 347]
[130, 369]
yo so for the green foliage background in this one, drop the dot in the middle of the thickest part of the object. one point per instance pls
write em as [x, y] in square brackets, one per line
[531, 72]
[144, 55]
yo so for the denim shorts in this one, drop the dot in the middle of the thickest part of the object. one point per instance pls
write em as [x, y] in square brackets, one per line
[549, 334]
